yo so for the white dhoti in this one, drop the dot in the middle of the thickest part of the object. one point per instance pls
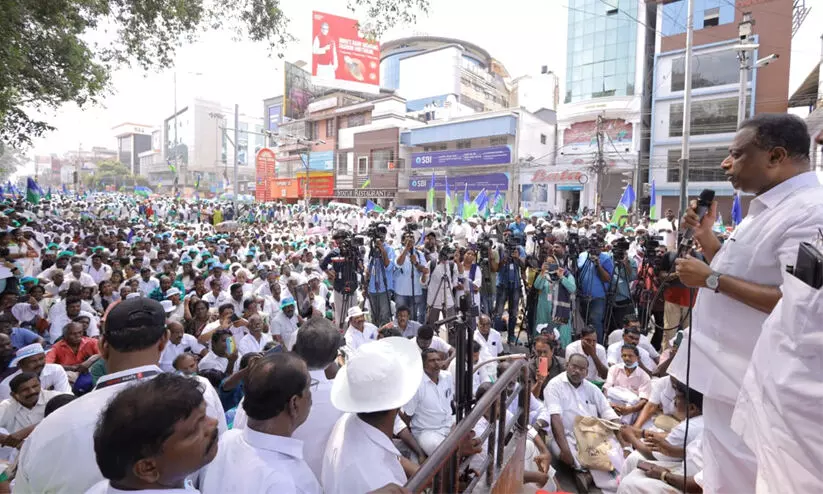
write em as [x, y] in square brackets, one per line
[729, 465]
[430, 439]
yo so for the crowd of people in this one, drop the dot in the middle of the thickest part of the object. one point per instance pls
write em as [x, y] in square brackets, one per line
[160, 343]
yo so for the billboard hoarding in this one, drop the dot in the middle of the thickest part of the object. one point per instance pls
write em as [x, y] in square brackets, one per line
[495, 155]
[488, 181]
[319, 160]
[341, 56]
[265, 171]
[275, 117]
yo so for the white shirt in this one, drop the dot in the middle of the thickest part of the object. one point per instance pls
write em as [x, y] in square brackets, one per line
[103, 487]
[249, 461]
[493, 343]
[354, 337]
[430, 408]
[645, 342]
[317, 428]
[63, 441]
[187, 344]
[14, 416]
[284, 326]
[59, 321]
[24, 313]
[250, 344]
[663, 394]
[562, 398]
[145, 287]
[52, 377]
[214, 361]
[758, 251]
[440, 345]
[84, 279]
[359, 458]
[614, 355]
[103, 273]
[677, 436]
[216, 301]
[577, 347]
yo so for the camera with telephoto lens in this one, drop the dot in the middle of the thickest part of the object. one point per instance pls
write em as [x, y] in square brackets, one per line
[595, 247]
[446, 252]
[484, 243]
[619, 248]
[377, 231]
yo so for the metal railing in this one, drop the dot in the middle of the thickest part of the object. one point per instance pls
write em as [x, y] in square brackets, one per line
[443, 469]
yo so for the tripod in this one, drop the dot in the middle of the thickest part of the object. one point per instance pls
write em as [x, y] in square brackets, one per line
[445, 279]
[610, 321]
[378, 271]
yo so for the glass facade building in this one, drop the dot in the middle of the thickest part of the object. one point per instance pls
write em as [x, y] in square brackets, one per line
[601, 49]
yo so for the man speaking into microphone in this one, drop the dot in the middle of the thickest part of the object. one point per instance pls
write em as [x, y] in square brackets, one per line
[769, 158]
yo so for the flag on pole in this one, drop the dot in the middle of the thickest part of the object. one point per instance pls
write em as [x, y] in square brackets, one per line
[737, 211]
[65, 190]
[653, 203]
[32, 191]
[172, 167]
[622, 209]
[497, 202]
[371, 206]
[2, 192]
[430, 197]
[197, 181]
[449, 202]
[482, 202]
[366, 183]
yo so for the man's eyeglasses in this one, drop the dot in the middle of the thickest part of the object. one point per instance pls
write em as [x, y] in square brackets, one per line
[313, 384]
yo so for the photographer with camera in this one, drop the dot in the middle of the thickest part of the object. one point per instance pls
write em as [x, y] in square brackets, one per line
[510, 282]
[442, 283]
[488, 258]
[341, 265]
[409, 272]
[554, 286]
[595, 270]
[620, 302]
[379, 281]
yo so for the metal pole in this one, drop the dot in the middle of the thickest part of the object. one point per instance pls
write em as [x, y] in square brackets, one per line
[744, 80]
[236, 142]
[687, 111]
[175, 124]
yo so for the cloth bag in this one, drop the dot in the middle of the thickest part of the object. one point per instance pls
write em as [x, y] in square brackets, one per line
[780, 406]
[594, 442]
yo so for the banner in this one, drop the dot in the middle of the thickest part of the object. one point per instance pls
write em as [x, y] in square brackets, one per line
[475, 182]
[319, 160]
[496, 155]
[275, 116]
[341, 57]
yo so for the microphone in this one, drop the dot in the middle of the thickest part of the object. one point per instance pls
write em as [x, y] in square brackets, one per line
[704, 203]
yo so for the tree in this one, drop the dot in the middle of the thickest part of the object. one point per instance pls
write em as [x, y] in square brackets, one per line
[10, 161]
[114, 173]
[46, 58]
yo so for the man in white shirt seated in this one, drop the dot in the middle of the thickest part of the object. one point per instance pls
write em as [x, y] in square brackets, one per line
[666, 449]
[660, 404]
[220, 357]
[256, 340]
[429, 412]
[77, 274]
[137, 448]
[178, 311]
[97, 270]
[24, 410]
[568, 396]
[179, 343]
[631, 336]
[59, 316]
[645, 342]
[216, 297]
[358, 331]
[263, 457]
[378, 379]
[487, 336]
[32, 358]
[426, 339]
[147, 283]
[627, 386]
[284, 325]
[594, 352]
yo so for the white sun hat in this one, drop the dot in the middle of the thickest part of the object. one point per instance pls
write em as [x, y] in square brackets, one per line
[380, 375]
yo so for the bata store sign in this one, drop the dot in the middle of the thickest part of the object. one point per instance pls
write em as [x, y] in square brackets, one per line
[554, 177]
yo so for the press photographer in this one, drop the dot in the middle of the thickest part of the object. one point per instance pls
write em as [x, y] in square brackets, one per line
[442, 284]
[488, 258]
[510, 282]
[595, 270]
[619, 299]
[410, 272]
[341, 265]
[379, 281]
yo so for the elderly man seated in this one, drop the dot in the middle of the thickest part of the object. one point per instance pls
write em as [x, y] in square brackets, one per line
[429, 412]
[567, 397]
[627, 386]
[656, 465]
[631, 336]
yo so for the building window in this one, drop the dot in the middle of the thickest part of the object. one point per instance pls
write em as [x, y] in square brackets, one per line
[709, 70]
[363, 165]
[711, 17]
[436, 147]
[382, 160]
[467, 144]
[704, 165]
[498, 141]
[329, 127]
[714, 116]
[542, 138]
[357, 120]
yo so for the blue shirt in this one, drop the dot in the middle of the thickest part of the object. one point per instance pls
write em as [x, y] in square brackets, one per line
[510, 275]
[624, 282]
[375, 276]
[403, 273]
[21, 337]
[589, 283]
[518, 227]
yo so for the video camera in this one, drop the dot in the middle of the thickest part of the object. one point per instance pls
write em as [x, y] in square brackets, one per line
[619, 248]
[446, 252]
[377, 231]
[595, 247]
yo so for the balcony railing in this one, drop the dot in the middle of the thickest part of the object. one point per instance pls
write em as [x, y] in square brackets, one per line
[442, 471]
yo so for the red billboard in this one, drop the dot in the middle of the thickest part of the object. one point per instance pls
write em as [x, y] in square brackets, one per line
[341, 56]
[265, 173]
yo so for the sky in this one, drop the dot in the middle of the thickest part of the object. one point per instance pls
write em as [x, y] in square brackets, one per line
[522, 34]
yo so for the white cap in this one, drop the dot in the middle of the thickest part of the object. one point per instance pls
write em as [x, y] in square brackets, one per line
[168, 306]
[356, 312]
[380, 375]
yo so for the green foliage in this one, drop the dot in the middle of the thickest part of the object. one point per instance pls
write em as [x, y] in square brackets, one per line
[111, 172]
[47, 57]
[10, 161]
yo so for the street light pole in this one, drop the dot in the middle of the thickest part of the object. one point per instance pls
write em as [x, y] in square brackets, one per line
[236, 142]
[175, 127]
[685, 152]
[745, 32]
